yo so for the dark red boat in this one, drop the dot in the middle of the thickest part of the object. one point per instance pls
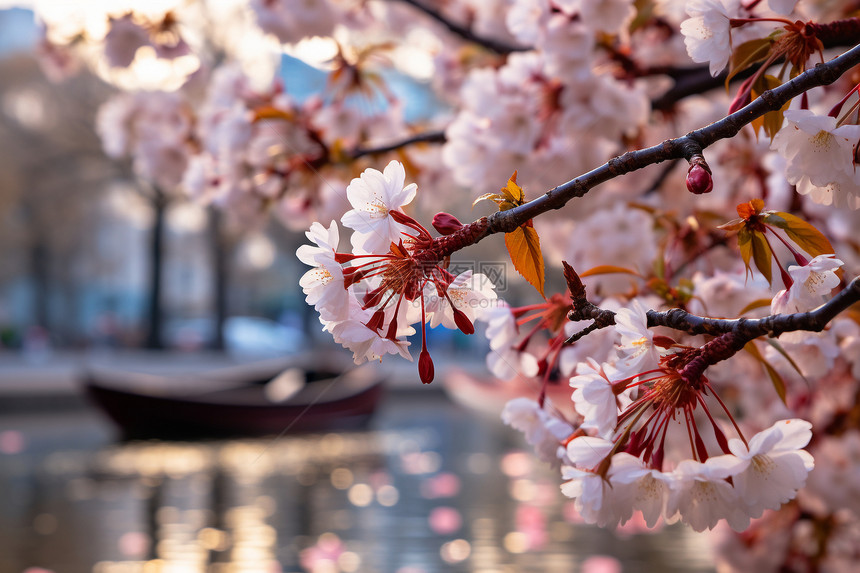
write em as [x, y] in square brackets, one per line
[253, 400]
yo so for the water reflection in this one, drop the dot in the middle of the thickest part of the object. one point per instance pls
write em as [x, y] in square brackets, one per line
[431, 488]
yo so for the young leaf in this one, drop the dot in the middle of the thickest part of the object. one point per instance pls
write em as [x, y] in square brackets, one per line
[511, 195]
[758, 303]
[772, 120]
[606, 270]
[747, 54]
[270, 112]
[524, 248]
[762, 256]
[776, 345]
[750, 209]
[775, 378]
[745, 246]
[805, 235]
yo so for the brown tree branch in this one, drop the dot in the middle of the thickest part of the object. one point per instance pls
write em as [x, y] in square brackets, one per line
[696, 80]
[465, 32]
[426, 137]
[684, 147]
[747, 328]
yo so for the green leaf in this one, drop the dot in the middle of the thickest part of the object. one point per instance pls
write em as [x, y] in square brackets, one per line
[805, 235]
[524, 248]
[775, 378]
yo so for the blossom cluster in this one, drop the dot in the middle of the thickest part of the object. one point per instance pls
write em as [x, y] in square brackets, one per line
[395, 276]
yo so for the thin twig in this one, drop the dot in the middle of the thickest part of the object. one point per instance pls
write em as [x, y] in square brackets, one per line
[744, 329]
[427, 137]
[465, 32]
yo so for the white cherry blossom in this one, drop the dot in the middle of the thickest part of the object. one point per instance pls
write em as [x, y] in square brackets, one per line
[594, 396]
[707, 33]
[373, 195]
[651, 488]
[637, 352]
[814, 280]
[469, 293]
[543, 431]
[323, 285]
[769, 471]
[703, 497]
[587, 452]
[818, 154]
[598, 499]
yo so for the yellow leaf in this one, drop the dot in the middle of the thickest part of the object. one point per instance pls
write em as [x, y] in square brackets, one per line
[494, 197]
[513, 192]
[524, 248]
[758, 303]
[762, 256]
[747, 54]
[775, 378]
[270, 112]
[805, 235]
[511, 195]
[608, 269]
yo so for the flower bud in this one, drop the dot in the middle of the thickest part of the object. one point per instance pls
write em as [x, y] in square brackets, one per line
[425, 367]
[699, 179]
[463, 323]
[446, 223]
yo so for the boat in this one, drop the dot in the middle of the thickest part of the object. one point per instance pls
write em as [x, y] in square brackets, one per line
[313, 394]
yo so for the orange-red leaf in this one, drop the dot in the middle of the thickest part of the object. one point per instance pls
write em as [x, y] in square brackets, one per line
[524, 248]
[750, 208]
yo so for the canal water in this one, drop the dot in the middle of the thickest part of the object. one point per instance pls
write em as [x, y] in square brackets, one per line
[429, 486]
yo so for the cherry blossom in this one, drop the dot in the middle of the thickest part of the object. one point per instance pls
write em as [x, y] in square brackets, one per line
[541, 430]
[595, 397]
[707, 33]
[373, 196]
[771, 468]
[323, 285]
[819, 155]
[637, 351]
[702, 497]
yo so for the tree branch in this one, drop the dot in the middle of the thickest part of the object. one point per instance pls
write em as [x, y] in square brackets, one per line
[682, 147]
[696, 80]
[427, 137]
[744, 329]
[465, 32]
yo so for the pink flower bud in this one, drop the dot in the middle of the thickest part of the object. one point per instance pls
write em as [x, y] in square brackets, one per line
[425, 367]
[699, 179]
[446, 223]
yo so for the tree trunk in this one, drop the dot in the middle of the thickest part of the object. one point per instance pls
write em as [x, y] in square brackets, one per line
[154, 339]
[220, 275]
